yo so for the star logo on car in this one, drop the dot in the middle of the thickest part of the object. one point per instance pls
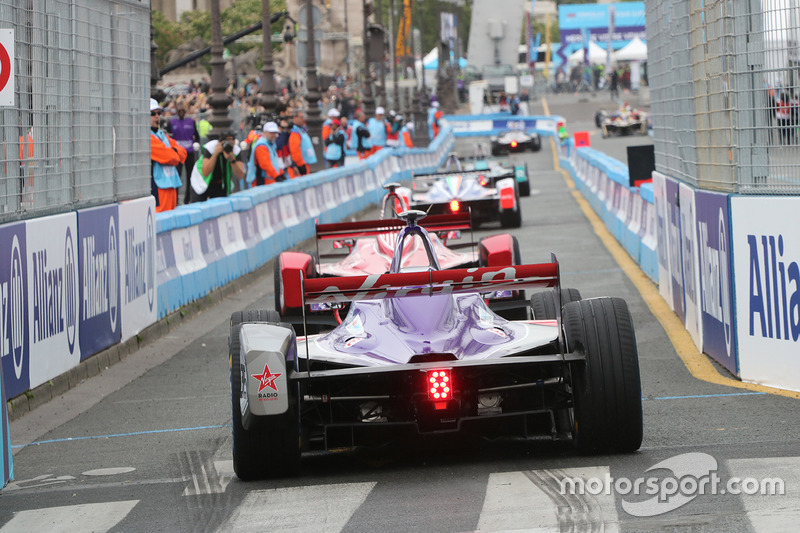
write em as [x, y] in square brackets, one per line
[266, 379]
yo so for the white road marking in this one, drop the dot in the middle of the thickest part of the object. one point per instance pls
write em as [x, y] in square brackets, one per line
[768, 513]
[319, 508]
[95, 517]
[38, 481]
[109, 471]
[532, 501]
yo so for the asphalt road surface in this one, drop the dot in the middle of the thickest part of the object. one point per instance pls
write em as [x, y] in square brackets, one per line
[146, 446]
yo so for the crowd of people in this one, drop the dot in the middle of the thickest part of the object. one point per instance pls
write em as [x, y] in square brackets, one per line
[262, 148]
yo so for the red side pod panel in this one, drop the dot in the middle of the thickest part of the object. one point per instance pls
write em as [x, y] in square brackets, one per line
[292, 263]
[497, 250]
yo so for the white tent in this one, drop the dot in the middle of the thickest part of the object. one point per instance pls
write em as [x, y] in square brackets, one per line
[636, 50]
[597, 55]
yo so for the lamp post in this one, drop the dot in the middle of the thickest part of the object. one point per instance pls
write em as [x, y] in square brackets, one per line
[393, 51]
[382, 62]
[219, 100]
[268, 97]
[313, 96]
[369, 101]
[420, 121]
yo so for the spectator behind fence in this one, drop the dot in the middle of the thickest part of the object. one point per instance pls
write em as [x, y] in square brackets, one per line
[165, 156]
[300, 147]
[264, 167]
[184, 130]
[334, 145]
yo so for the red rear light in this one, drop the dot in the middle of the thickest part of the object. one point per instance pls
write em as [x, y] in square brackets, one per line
[513, 144]
[439, 385]
[483, 181]
[455, 206]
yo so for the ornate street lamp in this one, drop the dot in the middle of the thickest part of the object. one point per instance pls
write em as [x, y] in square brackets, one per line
[219, 100]
[369, 101]
[313, 96]
[268, 99]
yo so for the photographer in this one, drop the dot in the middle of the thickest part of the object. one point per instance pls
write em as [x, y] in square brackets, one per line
[219, 161]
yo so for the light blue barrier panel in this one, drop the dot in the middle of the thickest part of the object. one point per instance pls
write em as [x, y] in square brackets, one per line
[496, 123]
[648, 255]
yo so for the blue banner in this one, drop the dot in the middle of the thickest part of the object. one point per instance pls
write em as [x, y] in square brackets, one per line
[14, 330]
[716, 282]
[628, 22]
[99, 278]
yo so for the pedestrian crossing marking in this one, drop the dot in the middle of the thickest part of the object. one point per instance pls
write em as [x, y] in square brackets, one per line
[769, 513]
[318, 508]
[95, 517]
[532, 501]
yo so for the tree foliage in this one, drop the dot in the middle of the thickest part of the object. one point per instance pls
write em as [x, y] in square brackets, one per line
[243, 13]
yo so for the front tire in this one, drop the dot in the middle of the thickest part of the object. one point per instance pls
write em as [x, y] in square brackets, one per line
[606, 387]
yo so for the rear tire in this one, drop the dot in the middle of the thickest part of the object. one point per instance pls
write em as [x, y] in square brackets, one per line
[512, 218]
[607, 392]
[544, 304]
[524, 186]
[270, 447]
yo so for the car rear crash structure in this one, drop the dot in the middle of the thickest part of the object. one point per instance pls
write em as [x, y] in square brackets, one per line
[420, 352]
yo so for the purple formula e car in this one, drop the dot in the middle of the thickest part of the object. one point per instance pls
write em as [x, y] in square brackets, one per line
[420, 353]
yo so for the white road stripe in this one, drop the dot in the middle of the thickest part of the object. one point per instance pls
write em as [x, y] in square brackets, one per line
[95, 517]
[319, 508]
[532, 501]
[768, 513]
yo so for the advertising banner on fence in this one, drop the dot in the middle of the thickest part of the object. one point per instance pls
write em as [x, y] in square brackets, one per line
[138, 265]
[14, 332]
[53, 296]
[662, 235]
[691, 274]
[99, 278]
[716, 289]
[766, 259]
[674, 244]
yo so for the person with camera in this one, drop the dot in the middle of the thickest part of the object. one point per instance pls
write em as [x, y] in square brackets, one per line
[165, 156]
[219, 161]
[264, 166]
[334, 145]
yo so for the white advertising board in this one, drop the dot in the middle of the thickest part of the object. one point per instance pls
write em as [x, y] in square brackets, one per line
[138, 265]
[766, 267]
[662, 236]
[691, 270]
[53, 296]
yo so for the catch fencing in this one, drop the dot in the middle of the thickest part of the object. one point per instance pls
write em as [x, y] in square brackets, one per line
[77, 132]
[724, 81]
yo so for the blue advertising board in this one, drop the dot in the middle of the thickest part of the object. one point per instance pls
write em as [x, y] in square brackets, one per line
[99, 278]
[716, 282]
[573, 19]
[14, 331]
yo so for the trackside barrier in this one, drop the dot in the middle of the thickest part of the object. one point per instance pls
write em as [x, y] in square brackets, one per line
[496, 123]
[698, 246]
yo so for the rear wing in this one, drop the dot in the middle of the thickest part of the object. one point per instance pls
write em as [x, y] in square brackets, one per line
[365, 228]
[334, 290]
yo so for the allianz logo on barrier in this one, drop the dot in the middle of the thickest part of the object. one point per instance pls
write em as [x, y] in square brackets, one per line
[771, 277]
[12, 315]
[715, 278]
[55, 298]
